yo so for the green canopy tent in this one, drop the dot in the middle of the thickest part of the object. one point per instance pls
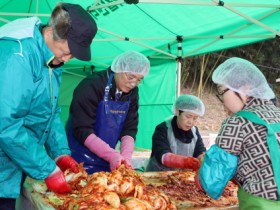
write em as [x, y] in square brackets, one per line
[163, 30]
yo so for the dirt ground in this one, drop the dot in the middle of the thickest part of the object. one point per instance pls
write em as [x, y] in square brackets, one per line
[214, 115]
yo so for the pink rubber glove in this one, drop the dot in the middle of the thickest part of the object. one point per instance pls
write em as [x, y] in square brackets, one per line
[180, 161]
[127, 147]
[66, 161]
[56, 182]
[103, 150]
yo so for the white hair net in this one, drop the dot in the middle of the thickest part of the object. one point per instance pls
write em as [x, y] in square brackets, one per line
[132, 62]
[189, 103]
[243, 77]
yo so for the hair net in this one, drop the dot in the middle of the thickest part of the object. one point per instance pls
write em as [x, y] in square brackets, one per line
[189, 103]
[244, 77]
[132, 62]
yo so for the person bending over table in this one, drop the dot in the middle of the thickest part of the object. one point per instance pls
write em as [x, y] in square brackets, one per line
[103, 111]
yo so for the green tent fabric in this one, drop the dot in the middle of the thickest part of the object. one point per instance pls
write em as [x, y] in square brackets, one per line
[158, 28]
[163, 30]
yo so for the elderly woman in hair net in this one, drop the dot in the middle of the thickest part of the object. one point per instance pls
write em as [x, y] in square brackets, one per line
[177, 143]
[104, 110]
[247, 145]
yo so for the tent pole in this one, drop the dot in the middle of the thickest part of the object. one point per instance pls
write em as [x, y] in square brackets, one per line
[230, 34]
[179, 64]
[4, 20]
[23, 14]
[77, 75]
[100, 6]
[203, 3]
[92, 7]
[137, 43]
[252, 19]
[97, 4]
[179, 71]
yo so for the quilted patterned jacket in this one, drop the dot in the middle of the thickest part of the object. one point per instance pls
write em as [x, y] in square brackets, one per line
[248, 141]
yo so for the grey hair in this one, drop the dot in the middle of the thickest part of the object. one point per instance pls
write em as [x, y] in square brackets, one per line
[60, 23]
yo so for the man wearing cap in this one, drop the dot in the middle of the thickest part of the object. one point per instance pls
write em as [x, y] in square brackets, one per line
[177, 143]
[32, 137]
[103, 111]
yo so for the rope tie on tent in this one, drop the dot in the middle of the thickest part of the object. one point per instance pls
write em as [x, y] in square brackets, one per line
[131, 1]
[221, 36]
[179, 40]
[92, 67]
[126, 39]
[179, 59]
[221, 3]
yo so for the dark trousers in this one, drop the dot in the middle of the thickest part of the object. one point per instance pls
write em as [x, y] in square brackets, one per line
[10, 203]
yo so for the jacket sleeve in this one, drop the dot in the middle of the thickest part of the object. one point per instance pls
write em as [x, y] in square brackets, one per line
[16, 90]
[86, 97]
[160, 143]
[56, 143]
[217, 169]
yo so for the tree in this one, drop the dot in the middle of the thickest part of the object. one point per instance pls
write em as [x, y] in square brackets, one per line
[197, 71]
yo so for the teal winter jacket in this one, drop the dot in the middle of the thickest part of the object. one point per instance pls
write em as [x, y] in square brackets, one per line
[31, 132]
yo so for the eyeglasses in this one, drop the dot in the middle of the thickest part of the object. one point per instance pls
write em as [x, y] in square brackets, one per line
[133, 79]
[219, 95]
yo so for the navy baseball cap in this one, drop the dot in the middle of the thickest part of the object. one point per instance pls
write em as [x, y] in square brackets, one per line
[82, 31]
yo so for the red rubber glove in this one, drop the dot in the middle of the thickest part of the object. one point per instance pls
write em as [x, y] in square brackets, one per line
[201, 157]
[57, 183]
[103, 150]
[66, 161]
[126, 149]
[180, 161]
[197, 182]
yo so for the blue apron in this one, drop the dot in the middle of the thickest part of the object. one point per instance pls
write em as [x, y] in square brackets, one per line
[110, 118]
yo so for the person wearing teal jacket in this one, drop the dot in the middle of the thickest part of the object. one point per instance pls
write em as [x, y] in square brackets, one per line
[32, 137]
[247, 146]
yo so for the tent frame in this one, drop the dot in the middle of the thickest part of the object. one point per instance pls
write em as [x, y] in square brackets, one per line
[229, 6]
[137, 40]
[162, 53]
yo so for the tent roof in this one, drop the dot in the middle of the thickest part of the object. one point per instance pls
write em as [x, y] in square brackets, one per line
[163, 29]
